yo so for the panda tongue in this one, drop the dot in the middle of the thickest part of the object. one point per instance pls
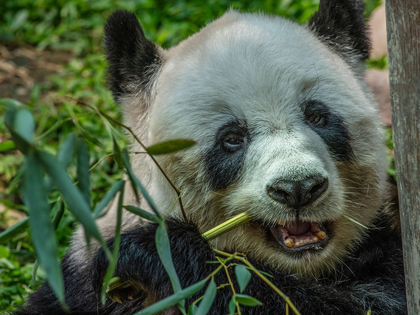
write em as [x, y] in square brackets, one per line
[298, 227]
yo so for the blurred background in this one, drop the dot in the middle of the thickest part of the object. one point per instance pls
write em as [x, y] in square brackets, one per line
[51, 60]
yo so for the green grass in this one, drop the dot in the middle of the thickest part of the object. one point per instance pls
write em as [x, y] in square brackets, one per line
[58, 104]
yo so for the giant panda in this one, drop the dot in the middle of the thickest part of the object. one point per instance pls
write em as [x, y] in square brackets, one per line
[287, 131]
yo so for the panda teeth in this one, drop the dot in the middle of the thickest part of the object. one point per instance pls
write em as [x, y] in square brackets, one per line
[290, 242]
[320, 235]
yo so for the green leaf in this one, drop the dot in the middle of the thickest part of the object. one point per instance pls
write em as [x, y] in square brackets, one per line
[4, 252]
[232, 306]
[144, 214]
[173, 299]
[164, 252]
[64, 155]
[117, 153]
[34, 273]
[110, 194]
[243, 276]
[7, 145]
[170, 146]
[83, 170]
[76, 202]
[9, 103]
[20, 18]
[208, 299]
[113, 284]
[131, 175]
[22, 126]
[247, 300]
[66, 150]
[136, 183]
[14, 230]
[59, 211]
[192, 309]
[42, 231]
[113, 263]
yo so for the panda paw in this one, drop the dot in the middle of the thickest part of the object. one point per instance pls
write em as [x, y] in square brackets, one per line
[140, 269]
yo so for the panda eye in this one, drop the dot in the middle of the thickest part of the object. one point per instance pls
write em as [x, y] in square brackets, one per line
[315, 113]
[233, 142]
[317, 119]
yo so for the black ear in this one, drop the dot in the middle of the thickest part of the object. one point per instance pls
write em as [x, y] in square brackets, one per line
[341, 25]
[132, 58]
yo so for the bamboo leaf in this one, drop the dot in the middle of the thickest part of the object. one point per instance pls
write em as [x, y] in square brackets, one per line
[34, 273]
[107, 198]
[117, 153]
[170, 146]
[243, 276]
[64, 155]
[9, 103]
[58, 213]
[173, 299]
[66, 150]
[232, 306]
[7, 146]
[75, 201]
[42, 231]
[143, 213]
[136, 183]
[131, 175]
[113, 263]
[21, 125]
[113, 284]
[192, 309]
[247, 300]
[83, 170]
[208, 299]
[58, 209]
[14, 230]
[164, 252]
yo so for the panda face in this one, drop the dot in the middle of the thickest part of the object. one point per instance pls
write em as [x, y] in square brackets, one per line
[285, 132]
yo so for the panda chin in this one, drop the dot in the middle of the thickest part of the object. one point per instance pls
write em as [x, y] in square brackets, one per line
[299, 235]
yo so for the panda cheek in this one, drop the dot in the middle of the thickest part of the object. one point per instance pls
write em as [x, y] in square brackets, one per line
[223, 168]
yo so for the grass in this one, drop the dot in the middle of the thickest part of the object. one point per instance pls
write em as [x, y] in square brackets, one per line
[57, 103]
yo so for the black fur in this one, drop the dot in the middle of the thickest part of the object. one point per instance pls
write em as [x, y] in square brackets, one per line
[341, 25]
[333, 131]
[131, 57]
[223, 166]
[372, 278]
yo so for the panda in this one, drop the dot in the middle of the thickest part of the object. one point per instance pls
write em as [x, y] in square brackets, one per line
[287, 131]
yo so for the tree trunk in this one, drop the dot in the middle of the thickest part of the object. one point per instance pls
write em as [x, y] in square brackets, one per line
[403, 27]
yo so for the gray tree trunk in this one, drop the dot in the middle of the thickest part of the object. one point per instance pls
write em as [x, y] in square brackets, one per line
[403, 27]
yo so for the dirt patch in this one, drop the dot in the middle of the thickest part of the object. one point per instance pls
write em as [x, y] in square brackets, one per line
[23, 66]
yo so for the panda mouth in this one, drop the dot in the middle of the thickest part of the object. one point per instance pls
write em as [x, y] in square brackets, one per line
[300, 235]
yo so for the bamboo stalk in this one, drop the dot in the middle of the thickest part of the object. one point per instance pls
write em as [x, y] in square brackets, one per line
[227, 226]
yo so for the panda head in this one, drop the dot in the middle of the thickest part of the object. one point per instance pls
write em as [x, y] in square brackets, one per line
[286, 130]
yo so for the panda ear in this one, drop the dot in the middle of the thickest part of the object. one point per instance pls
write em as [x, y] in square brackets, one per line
[341, 25]
[132, 58]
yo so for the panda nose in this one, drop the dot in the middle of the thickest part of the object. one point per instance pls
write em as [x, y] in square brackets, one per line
[298, 193]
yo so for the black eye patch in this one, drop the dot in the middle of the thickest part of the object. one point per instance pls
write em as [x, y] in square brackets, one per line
[225, 159]
[330, 127]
